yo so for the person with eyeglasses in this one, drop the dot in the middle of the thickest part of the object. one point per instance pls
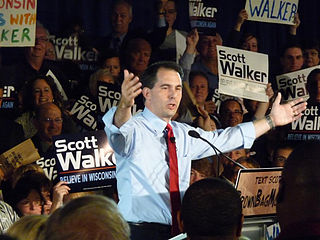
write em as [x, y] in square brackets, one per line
[48, 121]
[231, 113]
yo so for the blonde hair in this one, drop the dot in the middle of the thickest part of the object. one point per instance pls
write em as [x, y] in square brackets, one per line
[95, 77]
[85, 218]
[28, 227]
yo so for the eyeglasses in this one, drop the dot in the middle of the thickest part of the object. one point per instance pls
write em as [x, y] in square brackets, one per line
[236, 112]
[28, 202]
[56, 120]
[170, 11]
[42, 39]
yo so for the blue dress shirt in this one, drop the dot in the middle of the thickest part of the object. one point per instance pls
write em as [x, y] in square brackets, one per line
[142, 160]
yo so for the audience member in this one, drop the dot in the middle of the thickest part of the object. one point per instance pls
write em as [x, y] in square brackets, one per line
[48, 122]
[28, 227]
[311, 53]
[231, 113]
[167, 15]
[199, 87]
[200, 169]
[291, 58]
[211, 209]
[137, 55]
[91, 217]
[110, 60]
[102, 75]
[37, 91]
[7, 215]
[312, 86]
[281, 154]
[298, 210]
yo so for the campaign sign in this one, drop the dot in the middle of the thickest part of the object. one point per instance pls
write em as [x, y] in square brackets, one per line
[109, 96]
[85, 160]
[272, 11]
[18, 23]
[48, 164]
[243, 73]
[84, 112]
[202, 14]
[70, 48]
[293, 85]
[9, 97]
[258, 189]
[306, 128]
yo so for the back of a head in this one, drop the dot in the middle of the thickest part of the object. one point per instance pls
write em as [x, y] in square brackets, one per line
[299, 193]
[211, 208]
[91, 217]
[28, 227]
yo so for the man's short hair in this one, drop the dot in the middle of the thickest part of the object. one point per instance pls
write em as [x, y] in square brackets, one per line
[90, 217]
[225, 102]
[149, 76]
[123, 2]
[194, 74]
[290, 44]
[211, 207]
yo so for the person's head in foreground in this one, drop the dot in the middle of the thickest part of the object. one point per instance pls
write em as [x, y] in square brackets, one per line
[211, 209]
[298, 206]
[90, 217]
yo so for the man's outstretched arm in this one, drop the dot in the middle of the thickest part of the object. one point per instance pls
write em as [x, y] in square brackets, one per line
[281, 114]
[130, 89]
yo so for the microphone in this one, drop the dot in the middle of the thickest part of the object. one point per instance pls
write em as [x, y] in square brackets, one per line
[195, 134]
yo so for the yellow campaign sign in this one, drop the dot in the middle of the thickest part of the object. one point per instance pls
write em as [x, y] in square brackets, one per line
[17, 23]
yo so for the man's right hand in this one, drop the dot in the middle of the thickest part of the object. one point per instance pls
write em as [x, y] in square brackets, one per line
[130, 89]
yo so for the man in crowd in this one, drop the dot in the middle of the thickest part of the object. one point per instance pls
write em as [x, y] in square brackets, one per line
[154, 153]
[211, 209]
[48, 122]
[298, 207]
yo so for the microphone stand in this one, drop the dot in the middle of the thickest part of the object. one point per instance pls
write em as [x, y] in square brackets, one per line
[195, 134]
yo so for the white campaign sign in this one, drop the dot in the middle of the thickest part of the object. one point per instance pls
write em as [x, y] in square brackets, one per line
[272, 11]
[243, 73]
[293, 85]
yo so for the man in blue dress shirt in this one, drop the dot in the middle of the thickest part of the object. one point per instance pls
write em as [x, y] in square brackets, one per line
[141, 149]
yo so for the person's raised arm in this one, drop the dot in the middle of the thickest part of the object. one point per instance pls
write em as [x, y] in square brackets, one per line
[263, 106]
[242, 16]
[130, 89]
[281, 114]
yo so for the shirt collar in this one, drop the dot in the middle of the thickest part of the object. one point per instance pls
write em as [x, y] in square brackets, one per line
[154, 122]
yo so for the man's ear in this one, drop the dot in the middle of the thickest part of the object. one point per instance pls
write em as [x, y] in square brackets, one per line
[239, 227]
[146, 93]
[180, 222]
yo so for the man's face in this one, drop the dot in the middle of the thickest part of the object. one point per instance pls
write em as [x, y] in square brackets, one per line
[139, 57]
[39, 50]
[311, 57]
[49, 123]
[236, 154]
[164, 98]
[121, 18]
[199, 88]
[208, 46]
[292, 60]
[232, 114]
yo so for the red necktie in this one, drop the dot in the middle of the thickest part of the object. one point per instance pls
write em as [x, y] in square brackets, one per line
[174, 180]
